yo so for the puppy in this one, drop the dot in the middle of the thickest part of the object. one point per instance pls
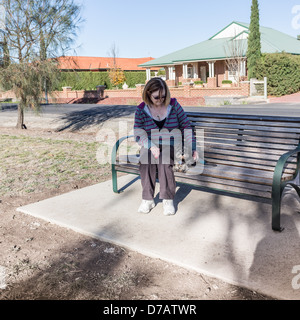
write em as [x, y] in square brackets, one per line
[183, 160]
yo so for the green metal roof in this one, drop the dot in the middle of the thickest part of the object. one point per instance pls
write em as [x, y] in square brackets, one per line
[272, 41]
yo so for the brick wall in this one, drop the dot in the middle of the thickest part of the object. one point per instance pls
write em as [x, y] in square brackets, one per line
[187, 95]
[120, 93]
[192, 92]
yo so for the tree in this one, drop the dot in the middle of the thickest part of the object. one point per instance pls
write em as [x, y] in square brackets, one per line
[115, 73]
[116, 76]
[26, 81]
[254, 44]
[57, 22]
[235, 54]
[113, 53]
[36, 31]
[5, 60]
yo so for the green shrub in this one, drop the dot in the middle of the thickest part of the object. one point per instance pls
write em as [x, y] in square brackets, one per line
[161, 72]
[282, 71]
[226, 82]
[88, 80]
[83, 80]
[198, 82]
[135, 77]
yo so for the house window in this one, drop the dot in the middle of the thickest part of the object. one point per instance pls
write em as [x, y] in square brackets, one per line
[232, 75]
[190, 71]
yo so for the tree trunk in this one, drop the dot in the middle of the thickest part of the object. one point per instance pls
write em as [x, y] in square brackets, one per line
[46, 93]
[20, 123]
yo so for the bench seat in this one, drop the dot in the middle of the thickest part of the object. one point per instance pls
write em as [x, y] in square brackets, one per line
[250, 155]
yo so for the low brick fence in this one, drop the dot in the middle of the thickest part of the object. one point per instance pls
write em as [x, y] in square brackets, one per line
[187, 95]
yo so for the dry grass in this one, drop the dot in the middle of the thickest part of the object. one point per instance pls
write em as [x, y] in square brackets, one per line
[30, 163]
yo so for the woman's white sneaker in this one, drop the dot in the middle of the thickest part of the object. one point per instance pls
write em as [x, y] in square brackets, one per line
[146, 206]
[169, 209]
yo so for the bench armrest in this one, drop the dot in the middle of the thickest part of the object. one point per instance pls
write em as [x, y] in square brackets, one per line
[281, 163]
[116, 148]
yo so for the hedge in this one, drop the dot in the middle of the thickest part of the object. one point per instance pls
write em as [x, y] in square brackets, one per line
[90, 80]
[226, 82]
[282, 71]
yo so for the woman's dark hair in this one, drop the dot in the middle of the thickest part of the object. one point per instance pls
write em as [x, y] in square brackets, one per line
[156, 84]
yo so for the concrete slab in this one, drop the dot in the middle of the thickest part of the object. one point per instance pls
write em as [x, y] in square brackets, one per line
[221, 236]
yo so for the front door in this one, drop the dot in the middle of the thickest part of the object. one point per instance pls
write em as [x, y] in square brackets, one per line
[203, 73]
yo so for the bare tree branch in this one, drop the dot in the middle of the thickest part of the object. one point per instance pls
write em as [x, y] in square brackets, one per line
[235, 53]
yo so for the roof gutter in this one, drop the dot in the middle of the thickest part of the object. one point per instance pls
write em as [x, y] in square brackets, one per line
[179, 62]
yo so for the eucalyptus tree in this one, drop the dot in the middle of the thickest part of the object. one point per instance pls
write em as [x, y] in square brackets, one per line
[36, 33]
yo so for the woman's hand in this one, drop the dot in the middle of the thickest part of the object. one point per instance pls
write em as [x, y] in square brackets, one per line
[155, 151]
[195, 155]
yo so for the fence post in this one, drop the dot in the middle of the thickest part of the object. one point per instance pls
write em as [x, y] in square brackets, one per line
[266, 87]
[139, 89]
[66, 91]
[100, 91]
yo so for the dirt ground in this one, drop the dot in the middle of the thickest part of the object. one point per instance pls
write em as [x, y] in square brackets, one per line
[40, 260]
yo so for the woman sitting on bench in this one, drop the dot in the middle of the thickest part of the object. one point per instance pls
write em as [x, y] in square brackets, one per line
[157, 116]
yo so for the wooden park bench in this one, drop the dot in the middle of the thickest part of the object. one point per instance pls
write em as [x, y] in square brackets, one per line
[256, 156]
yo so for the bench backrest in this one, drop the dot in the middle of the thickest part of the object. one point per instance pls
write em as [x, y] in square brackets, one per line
[254, 142]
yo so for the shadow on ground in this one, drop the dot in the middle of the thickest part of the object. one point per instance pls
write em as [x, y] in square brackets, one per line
[79, 120]
[8, 106]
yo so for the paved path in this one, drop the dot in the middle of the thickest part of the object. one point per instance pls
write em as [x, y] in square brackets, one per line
[292, 98]
[225, 237]
[85, 116]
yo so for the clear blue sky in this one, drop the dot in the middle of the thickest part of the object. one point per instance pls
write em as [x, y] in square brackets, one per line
[157, 27]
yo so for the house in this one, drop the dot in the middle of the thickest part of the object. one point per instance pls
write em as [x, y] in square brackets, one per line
[221, 57]
[98, 64]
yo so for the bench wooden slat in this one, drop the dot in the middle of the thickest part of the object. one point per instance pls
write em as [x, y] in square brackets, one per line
[262, 152]
[229, 173]
[232, 161]
[246, 137]
[245, 164]
[229, 155]
[242, 117]
[242, 165]
[230, 188]
[133, 159]
[247, 154]
[237, 173]
[128, 169]
[260, 145]
[255, 133]
[224, 184]
[241, 184]
[200, 125]
[217, 121]
[245, 159]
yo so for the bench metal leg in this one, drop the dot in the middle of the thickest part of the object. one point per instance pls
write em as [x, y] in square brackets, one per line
[114, 179]
[276, 204]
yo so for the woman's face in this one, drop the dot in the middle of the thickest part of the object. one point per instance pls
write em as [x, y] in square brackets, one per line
[158, 97]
